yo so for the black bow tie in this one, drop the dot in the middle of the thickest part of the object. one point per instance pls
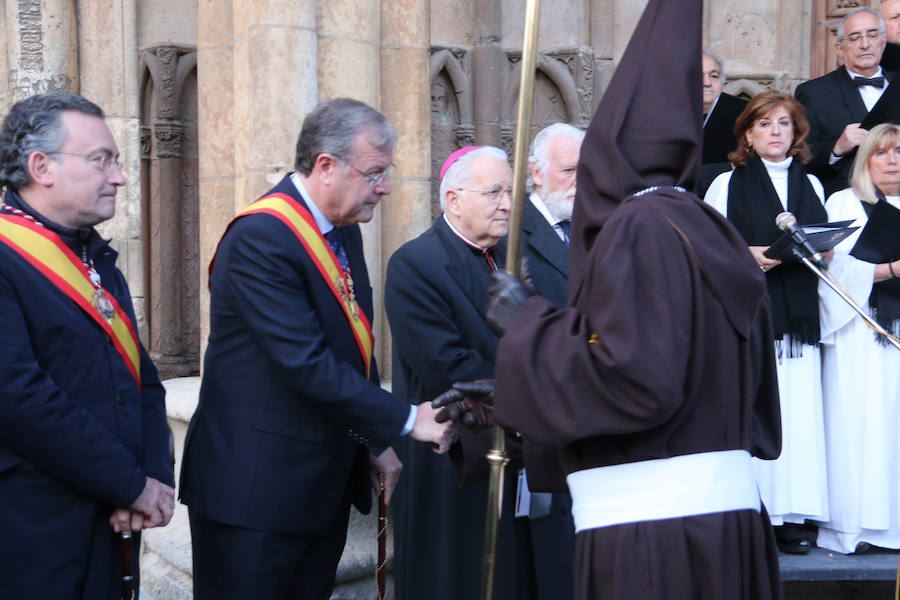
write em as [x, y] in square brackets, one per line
[874, 81]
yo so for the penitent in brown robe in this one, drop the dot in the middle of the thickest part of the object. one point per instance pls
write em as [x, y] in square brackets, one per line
[665, 348]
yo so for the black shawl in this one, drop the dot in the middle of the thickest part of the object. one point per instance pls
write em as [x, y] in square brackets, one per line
[885, 296]
[753, 205]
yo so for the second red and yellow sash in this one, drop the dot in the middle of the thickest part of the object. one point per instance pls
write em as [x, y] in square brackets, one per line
[47, 253]
[302, 224]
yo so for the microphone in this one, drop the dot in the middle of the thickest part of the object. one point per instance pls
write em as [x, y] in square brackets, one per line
[787, 222]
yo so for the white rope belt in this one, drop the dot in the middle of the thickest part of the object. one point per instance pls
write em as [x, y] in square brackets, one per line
[665, 488]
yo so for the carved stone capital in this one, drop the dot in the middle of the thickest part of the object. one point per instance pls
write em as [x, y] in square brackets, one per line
[146, 141]
[169, 139]
[465, 135]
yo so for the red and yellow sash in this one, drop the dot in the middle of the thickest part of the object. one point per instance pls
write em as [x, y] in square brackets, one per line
[302, 224]
[47, 253]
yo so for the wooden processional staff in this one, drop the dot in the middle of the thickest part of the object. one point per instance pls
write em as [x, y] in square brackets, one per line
[497, 457]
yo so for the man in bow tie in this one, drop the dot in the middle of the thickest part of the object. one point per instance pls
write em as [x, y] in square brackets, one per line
[838, 102]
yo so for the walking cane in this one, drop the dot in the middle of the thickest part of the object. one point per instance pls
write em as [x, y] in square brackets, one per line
[382, 540]
[497, 457]
[127, 565]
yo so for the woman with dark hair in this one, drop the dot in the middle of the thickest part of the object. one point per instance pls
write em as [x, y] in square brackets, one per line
[861, 371]
[769, 178]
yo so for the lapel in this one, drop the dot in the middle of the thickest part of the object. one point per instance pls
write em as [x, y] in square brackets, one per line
[352, 240]
[467, 270]
[543, 240]
[850, 93]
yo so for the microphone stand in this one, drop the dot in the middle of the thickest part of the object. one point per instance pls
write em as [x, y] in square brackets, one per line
[837, 289]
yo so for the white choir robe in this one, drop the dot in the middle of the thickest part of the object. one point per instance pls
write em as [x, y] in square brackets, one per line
[793, 487]
[861, 386]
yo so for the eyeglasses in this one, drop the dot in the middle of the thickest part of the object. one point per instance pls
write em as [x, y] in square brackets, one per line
[373, 178]
[103, 161]
[493, 194]
[857, 36]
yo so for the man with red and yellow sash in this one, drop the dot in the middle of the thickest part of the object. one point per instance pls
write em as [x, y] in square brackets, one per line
[291, 422]
[83, 437]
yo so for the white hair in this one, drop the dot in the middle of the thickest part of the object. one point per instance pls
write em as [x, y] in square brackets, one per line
[539, 152]
[719, 63]
[841, 28]
[457, 176]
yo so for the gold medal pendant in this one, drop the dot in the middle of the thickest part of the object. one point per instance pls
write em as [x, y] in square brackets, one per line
[103, 304]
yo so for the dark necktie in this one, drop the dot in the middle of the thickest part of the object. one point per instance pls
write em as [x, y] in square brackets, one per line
[337, 246]
[566, 228]
[873, 81]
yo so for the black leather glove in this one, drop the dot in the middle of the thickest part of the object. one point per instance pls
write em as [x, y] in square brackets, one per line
[507, 293]
[468, 403]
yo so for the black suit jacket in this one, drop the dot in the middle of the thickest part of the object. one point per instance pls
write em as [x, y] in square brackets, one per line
[890, 60]
[718, 132]
[548, 256]
[832, 102]
[719, 139]
[278, 441]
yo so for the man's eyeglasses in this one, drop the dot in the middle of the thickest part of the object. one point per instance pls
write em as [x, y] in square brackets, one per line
[493, 194]
[857, 36]
[103, 161]
[373, 178]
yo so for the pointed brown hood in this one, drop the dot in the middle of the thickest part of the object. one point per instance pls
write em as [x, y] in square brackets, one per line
[648, 127]
[647, 132]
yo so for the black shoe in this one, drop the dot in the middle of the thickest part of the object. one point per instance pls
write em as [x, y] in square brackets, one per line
[792, 539]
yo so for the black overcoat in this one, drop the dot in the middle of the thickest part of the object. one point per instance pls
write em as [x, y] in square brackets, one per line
[78, 437]
[435, 296]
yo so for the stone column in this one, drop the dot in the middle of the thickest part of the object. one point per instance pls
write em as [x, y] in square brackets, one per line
[489, 63]
[108, 59]
[168, 66]
[350, 65]
[257, 79]
[216, 99]
[406, 100]
[41, 47]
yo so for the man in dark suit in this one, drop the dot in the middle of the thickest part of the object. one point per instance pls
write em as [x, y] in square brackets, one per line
[291, 419]
[435, 294]
[720, 111]
[837, 102]
[890, 12]
[84, 447]
[546, 226]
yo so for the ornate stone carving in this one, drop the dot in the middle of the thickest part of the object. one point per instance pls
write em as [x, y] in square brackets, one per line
[465, 136]
[146, 141]
[168, 138]
[451, 110]
[563, 90]
[31, 35]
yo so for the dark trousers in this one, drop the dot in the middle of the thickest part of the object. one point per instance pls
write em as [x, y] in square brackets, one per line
[236, 563]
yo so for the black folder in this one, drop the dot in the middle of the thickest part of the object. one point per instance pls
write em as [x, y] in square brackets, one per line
[879, 241]
[822, 236]
[887, 109]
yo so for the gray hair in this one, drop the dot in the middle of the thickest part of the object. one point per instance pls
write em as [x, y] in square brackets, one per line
[34, 125]
[332, 127]
[841, 29]
[719, 63]
[538, 153]
[459, 172]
